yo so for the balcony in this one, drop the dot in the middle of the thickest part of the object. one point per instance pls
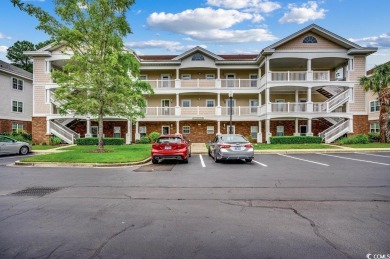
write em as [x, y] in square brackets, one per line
[198, 111]
[205, 84]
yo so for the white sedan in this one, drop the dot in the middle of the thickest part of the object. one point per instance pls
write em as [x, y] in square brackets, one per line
[12, 146]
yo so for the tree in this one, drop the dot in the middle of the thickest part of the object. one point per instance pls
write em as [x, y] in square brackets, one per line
[16, 56]
[100, 79]
[379, 83]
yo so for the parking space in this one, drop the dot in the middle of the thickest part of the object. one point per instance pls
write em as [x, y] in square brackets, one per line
[9, 159]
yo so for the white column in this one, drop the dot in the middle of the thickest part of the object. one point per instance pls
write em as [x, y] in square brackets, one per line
[47, 126]
[218, 73]
[128, 133]
[88, 134]
[218, 80]
[309, 72]
[309, 132]
[219, 127]
[259, 72]
[267, 70]
[297, 96]
[218, 109]
[259, 99]
[137, 135]
[177, 74]
[309, 102]
[260, 134]
[267, 131]
[177, 107]
[296, 133]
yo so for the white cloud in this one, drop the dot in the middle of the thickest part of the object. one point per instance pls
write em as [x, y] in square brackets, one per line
[200, 19]
[171, 46]
[2, 36]
[209, 25]
[308, 11]
[3, 49]
[381, 41]
[250, 5]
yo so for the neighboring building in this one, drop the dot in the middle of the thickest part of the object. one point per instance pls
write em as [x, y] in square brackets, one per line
[16, 98]
[373, 106]
[304, 84]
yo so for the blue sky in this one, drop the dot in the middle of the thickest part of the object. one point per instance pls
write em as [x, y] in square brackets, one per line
[170, 27]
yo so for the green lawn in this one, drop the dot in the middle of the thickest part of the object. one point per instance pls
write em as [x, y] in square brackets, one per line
[291, 146]
[85, 154]
[369, 145]
[43, 147]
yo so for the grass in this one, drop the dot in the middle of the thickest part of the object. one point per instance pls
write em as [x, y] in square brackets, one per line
[85, 154]
[369, 145]
[291, 146]
[43, 147]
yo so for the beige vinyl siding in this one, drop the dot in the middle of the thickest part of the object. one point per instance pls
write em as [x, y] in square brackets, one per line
[40, 75]
[39, 101]
[297, 43]
[359, 70]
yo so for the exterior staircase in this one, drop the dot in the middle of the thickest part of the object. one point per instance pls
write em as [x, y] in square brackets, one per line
[334, 102]
[330, 91]
[334, 132]
[63, 132]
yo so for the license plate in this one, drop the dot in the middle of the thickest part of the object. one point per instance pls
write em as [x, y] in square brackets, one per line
[237, 148]
[168, 147]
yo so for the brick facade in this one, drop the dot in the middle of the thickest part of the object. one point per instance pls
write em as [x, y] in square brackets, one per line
[361, 124]
[108, 128]
[39, 130]
[6, 125]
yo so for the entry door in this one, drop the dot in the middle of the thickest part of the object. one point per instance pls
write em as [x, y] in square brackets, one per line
[165, 103]
[280, 105]
[94, 131]
[165, 130]
[230, 80]
[228, 106]
[303, 130]
[166, 80]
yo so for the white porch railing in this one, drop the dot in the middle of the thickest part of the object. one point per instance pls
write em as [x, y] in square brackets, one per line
[239, 83]
[240, 110]
[289, 76]
[162, 83]
[321, 75]
[159, 111]
[332, 103]
[288, 107]
[210, 111]
[336, 131]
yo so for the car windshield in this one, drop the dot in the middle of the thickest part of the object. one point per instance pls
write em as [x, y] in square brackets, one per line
[233, 138]
[168, 140]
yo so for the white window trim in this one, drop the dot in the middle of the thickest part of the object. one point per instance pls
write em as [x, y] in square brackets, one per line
[162, 129]
[17, 106]
[47, 96]
[253, 79]
[143, 129]
[250, 105]
[183, 100]
[47, 67]
[252, 132]
[120, 132]
[17, 84]
[185, 75]
[376, 128]
[17, 126]
[143, 75]
[374, 106]
[189, 129]
[97, 132]
[210, 100]
[209, 131]
[300, 128]
[212, 76]
[279, 131]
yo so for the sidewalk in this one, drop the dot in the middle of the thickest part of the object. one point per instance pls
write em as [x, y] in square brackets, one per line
[52, 150]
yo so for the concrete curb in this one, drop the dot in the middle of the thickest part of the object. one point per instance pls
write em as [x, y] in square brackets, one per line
[88, 165]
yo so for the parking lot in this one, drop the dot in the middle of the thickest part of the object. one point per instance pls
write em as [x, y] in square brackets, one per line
[331, 205]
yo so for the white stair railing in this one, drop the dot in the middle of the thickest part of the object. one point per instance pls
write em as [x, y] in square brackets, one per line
[336, 131]
[333, 103]
[66, 134]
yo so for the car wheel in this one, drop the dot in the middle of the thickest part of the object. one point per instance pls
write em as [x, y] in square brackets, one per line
[154, 161]
[248, 160]
[185, 161]
[24, 150]
[215, 157]
[189, 155]
[209, 152]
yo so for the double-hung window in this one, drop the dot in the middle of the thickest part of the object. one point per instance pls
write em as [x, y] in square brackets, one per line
[186, 129]
[186, 103]
[254, 131]
[17, 84]
[374, 106]
[210, 129]
[17, 126]
[210, 103]
[17, 106]
[142, 131]
[374, 127]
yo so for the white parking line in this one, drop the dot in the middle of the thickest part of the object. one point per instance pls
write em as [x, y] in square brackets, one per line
[360, 160]
[201, 161]
[370, 154]
[259, 163]
[309, 161]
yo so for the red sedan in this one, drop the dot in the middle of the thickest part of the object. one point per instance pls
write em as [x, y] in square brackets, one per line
[173, 147]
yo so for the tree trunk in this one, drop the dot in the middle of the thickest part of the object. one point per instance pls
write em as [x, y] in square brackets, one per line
[100, 136]
[383, 114]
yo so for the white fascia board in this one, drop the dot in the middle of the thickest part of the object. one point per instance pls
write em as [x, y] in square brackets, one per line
[37, 53]
[12, 73]
[365, 51]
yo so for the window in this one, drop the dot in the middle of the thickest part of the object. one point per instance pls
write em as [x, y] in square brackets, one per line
[254, 131]
[166, 80]
[253, 80]
[17, 126]
[253, 106]
[210, 76]
[310, 39]
[17, 84]
[142, 131]
[374, 127]
[186, 76]
[186, 103]
[350, 65]
[303, 130]
[210, 129]
[117, 132]
[374, 106]
[48, 66]
[186, 129]
[210, 103]
[197, 57]
[143, 77]
[94, 131]
[17, 106]
[279, 130]
[233, 129]
[47, 96]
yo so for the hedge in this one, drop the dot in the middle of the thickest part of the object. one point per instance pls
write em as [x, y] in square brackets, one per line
[357, 139]
[95, 141]
[295, 140]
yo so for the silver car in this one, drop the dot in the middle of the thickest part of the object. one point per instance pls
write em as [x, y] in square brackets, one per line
[231, 147]
[11, 146]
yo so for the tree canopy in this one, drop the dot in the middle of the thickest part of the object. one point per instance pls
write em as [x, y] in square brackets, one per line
[379, 83]
[100, 78]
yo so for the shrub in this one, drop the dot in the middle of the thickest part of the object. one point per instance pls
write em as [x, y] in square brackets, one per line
[358, 139]
[295, 140]
[54, 140]
[249, 138]
[154, 136]
[20, 138]
[374, 137]
[95, 141]
[144, 140]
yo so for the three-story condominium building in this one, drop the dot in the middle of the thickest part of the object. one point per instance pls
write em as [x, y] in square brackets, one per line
[304, 84]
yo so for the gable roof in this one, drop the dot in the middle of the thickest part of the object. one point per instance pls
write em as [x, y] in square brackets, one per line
[351, 46]
[198, 49]
[11, 69]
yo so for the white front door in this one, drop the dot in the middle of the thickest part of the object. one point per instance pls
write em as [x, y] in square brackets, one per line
[165, 103]
[166, 80]
[117, 132]
[228, 106]
[230, 80]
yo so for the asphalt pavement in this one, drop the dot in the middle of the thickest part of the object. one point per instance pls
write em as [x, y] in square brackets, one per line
[333, 205]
